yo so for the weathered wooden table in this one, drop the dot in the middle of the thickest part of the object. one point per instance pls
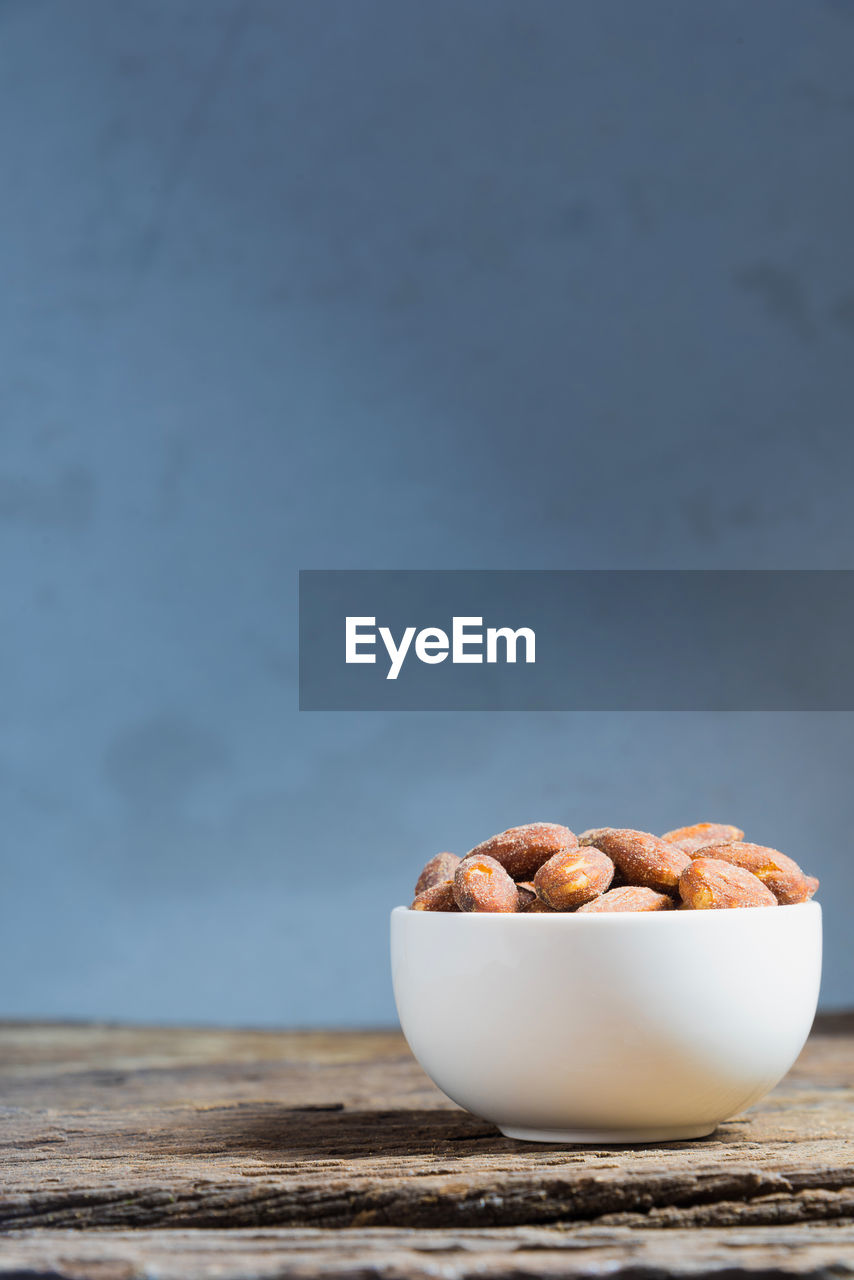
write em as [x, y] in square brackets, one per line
[174, 1153]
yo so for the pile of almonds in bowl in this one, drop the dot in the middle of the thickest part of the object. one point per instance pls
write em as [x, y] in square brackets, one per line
[544, 867]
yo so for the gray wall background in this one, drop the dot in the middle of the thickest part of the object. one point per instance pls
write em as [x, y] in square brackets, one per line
[388, 284]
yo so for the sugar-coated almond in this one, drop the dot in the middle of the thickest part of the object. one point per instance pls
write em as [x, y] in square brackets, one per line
[436, 871]
[523, 850]
[643, 858]
[777, 870]
[710, 884]
[482, 884]
[439, 897]
[573, 877]
[690, 839]
[629, 897]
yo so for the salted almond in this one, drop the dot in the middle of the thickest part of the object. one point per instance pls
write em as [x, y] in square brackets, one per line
[643, 858]
[439, 897]
[690, 839]
[482, 884]
[436, 871]
[569, 879]
[538, 907]
[591, 834]
[711, 884]
[523, 850]
[629, 897]
[779, 872]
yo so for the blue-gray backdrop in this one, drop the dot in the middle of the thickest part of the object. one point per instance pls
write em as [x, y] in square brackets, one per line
[388, 283]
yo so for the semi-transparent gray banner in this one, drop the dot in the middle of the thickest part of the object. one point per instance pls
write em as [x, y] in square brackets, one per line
[663, 640]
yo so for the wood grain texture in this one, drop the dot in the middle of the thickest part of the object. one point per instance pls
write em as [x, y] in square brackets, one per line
[256, 1147]
[522, 1253]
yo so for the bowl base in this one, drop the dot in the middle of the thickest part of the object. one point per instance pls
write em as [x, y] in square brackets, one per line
[610, 1137]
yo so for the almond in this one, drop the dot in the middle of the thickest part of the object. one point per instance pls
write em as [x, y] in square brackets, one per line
[538, 907]
[523, 850]
[643, 858]
[439, 897]
[779, 872]
[437, 870]
[710, 884]
[629, 897]
[591, 834]
[571, 878]
[482, 884]
[690, 839]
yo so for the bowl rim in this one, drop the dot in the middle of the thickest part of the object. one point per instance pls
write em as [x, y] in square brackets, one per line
[726, 913]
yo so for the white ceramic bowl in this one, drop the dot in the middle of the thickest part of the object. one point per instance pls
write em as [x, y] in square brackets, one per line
[625, 1027]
